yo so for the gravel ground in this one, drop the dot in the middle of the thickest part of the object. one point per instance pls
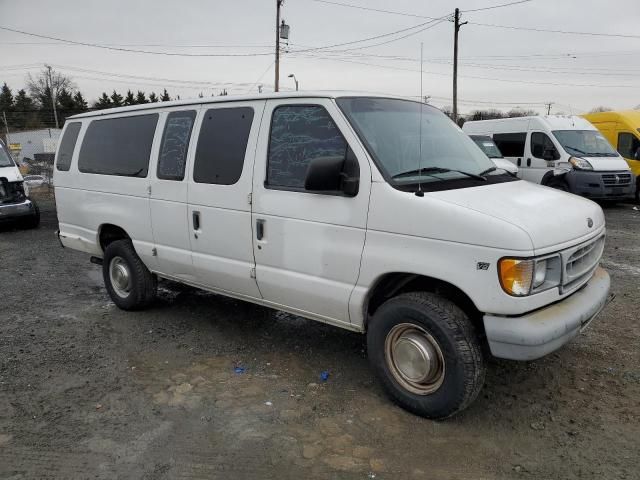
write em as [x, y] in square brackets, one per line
[89, 391]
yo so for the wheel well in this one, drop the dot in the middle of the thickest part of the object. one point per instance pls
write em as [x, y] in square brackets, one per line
[393, 284]
[547, 177]
[110, 233]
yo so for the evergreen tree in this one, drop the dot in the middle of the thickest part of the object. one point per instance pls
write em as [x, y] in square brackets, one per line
[103, 102]
[116, 99]
[165, 96]
[141, 98]
[152, 97]
[25, 113]
[224, 93]
[6, 99]
[66, 105]
[80, 103]
[129, 99]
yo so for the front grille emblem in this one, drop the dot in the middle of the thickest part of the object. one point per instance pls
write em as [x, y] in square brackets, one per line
[589, 222]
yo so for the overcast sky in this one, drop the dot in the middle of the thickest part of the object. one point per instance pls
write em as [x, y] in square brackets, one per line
[499, 67]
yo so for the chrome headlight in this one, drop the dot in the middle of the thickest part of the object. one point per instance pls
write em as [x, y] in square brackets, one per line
[580, 163]
[525, 276]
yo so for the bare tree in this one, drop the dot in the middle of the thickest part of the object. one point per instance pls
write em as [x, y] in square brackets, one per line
[600, 109]
[519, 112]
[42, 85]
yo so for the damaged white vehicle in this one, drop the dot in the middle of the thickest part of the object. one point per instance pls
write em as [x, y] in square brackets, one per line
[15, 204]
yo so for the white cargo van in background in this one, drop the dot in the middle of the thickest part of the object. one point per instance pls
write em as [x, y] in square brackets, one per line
[373, 214]
[559, 151]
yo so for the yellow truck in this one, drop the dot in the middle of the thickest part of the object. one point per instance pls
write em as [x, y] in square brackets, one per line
[622, 129]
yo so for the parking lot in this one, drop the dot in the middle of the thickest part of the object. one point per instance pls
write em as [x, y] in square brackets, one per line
[201, 386]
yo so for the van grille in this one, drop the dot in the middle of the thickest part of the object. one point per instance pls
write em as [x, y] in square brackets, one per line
[580, 262]
[617, 179]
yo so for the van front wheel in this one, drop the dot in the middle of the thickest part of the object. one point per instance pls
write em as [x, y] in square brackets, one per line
[426, 353]
[129, 282]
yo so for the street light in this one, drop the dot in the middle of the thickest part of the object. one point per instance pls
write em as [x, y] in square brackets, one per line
[291, 75]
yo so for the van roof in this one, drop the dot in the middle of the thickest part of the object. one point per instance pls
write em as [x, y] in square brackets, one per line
[549, 122]
[631, 117]
[235, 98]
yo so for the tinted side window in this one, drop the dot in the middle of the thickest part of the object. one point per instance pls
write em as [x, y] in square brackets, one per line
[511, 144]
[300, 133]
[540, 143]
[629, 146]
[118, 146]
[222, 144]
[67, 146]
[175, 143]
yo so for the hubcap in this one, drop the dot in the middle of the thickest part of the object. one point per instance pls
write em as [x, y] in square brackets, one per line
[120, 277]
[414, 359]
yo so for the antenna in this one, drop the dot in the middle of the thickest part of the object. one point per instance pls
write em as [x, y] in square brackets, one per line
[420, 193]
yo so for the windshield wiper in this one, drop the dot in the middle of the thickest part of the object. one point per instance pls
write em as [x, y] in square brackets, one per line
[429, 170]
[489, 170]
[576, 149]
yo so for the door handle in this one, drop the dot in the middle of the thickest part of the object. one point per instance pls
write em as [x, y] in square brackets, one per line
[196, 220]
[519, 161]
[259, 229]
[528, 162]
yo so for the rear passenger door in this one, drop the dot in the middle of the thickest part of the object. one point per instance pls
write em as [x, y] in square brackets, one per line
[307, 245]
[219, 211]
[168, 193]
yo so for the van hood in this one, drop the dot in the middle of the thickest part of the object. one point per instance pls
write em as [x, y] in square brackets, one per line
[12, 174]
[607, 164]
[550, 217]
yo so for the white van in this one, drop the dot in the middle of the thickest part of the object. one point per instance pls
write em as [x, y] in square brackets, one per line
[560, 151]
[373, 214]
[491, 150]
[15, 204]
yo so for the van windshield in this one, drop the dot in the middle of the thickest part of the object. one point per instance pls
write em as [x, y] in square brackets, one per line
[584, 143]
[391, 130]
[5, 158]
[487, 145]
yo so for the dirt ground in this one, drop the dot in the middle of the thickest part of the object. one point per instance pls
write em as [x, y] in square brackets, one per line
[89, 391]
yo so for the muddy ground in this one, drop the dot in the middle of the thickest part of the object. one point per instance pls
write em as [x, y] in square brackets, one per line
[89, 391]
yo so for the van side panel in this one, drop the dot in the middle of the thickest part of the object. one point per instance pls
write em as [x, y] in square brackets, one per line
[87, 201]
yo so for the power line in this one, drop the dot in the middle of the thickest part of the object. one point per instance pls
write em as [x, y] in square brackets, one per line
[379, 10]
[131, 50]
[496, 6]
[546, 30]
[163, 45]
[475, 76]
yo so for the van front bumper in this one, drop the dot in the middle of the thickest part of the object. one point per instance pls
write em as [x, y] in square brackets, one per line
[539, 333]
[601, 185]
[9, 211]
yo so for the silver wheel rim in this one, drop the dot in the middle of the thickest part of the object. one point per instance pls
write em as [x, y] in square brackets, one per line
[120, 277]
[414, 358]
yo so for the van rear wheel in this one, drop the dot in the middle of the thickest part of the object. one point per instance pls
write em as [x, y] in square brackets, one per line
[426, 353]
[129, 282]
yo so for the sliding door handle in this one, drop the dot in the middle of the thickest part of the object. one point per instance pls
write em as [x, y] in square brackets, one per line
[259, 229]
[196, 220]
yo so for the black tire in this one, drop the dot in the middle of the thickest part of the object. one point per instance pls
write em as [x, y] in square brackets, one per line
[141, 284]
[559, 184]
[464, 365]
[33, 221]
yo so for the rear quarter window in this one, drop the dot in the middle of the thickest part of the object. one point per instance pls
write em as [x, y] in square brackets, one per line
[67, 146]
[118, 146]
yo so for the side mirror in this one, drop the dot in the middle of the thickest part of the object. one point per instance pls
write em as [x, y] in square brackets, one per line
[550, 154]
[334, 174]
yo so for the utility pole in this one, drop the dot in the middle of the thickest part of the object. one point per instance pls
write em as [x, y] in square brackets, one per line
[6, 125]
[277, 82]
[456, 29]
[549, 107]
[53, 95]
